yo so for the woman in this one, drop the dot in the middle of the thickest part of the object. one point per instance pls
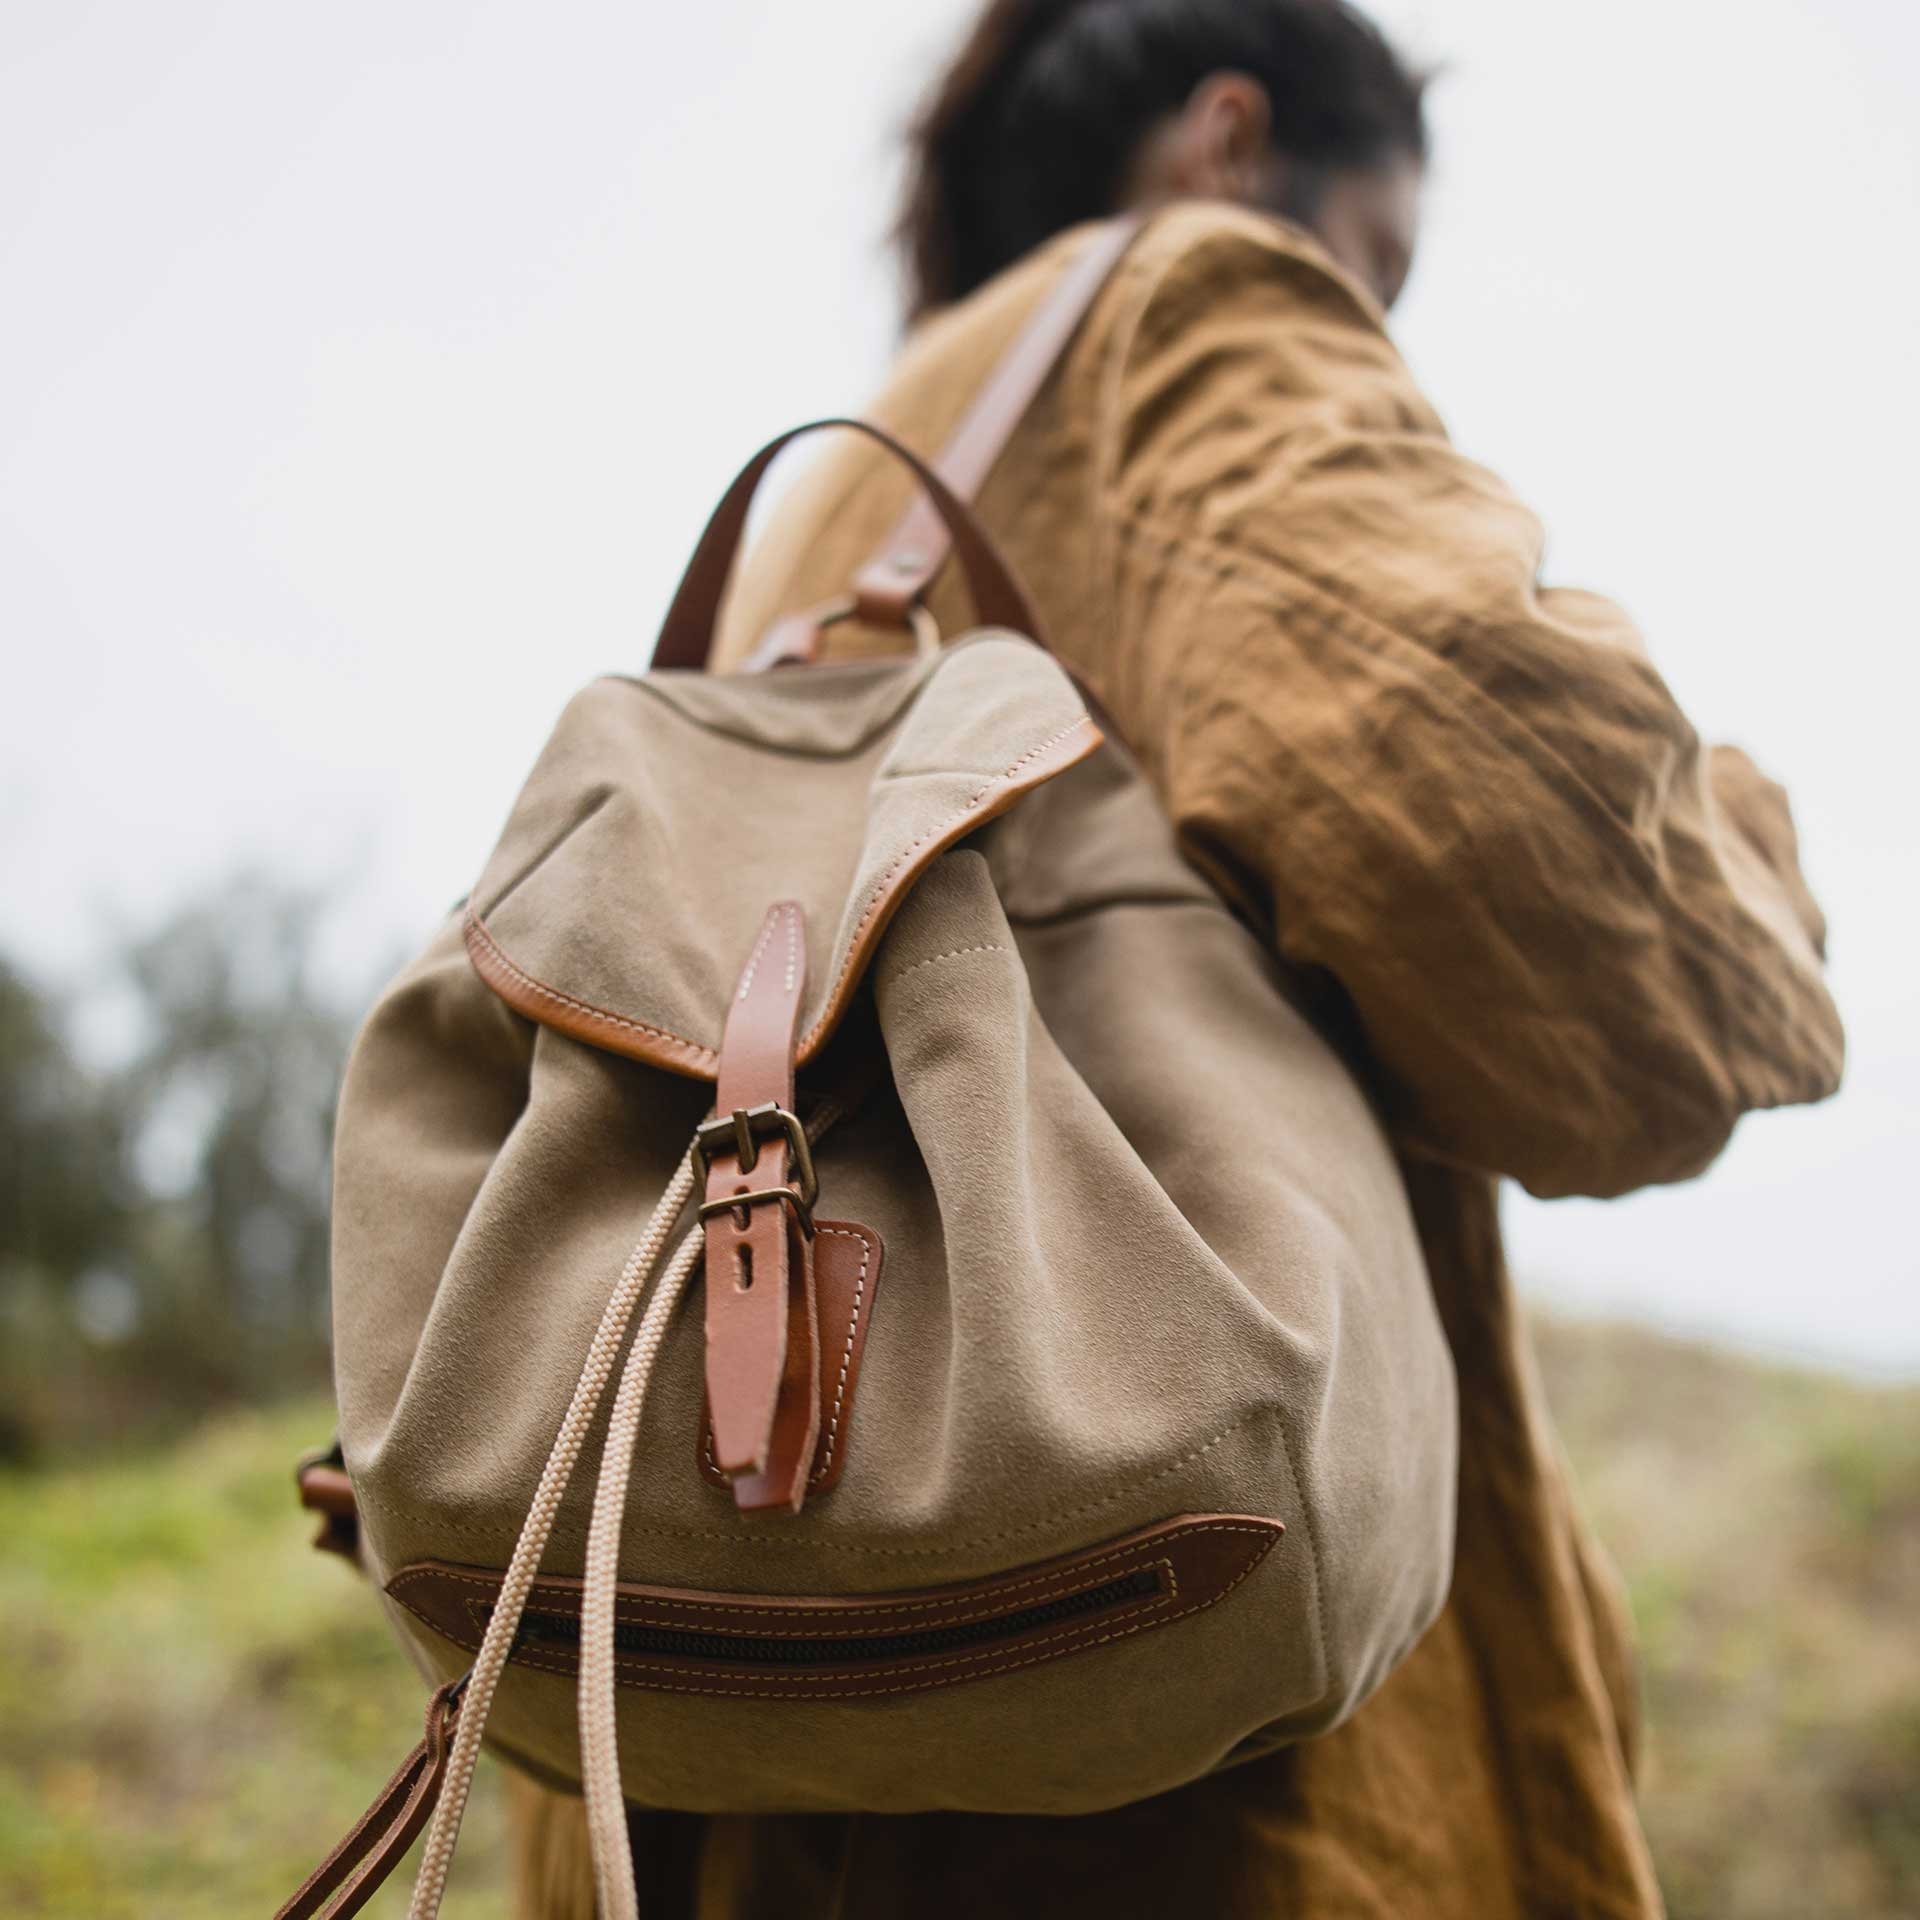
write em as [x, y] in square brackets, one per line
[1568, 945]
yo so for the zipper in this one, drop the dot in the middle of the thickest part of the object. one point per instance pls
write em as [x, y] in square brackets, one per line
[845, 1650]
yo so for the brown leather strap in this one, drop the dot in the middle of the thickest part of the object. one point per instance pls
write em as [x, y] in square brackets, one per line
[686, 640]
[909, 560]
[750, 1247]
[354, 1871]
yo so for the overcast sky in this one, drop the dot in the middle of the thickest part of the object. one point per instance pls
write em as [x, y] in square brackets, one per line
[366, 372]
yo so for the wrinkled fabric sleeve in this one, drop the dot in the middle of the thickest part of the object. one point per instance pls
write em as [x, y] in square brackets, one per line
[1577, 943]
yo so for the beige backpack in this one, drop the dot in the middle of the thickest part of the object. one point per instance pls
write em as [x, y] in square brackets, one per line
[1036, 1400]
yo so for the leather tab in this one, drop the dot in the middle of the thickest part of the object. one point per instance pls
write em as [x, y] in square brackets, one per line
[796, 1417]
[749, 1262]
[847, 1258]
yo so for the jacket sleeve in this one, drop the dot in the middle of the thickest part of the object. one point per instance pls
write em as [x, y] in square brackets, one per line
[1577, 944]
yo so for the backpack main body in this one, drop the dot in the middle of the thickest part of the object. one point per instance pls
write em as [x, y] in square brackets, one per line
[1135, 1447]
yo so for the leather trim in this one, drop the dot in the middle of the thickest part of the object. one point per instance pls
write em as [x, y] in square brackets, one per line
[658, 1047]
[579, 1019]
[785, 1646]
[847, 1261]
[377, 1842]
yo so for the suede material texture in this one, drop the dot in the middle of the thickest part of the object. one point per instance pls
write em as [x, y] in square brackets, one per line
[1147, 1248]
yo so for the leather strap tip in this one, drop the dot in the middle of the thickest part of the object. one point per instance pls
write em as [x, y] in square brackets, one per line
[734, 1456]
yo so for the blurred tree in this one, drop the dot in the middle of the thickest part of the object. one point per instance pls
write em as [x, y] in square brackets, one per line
[163, 1225]
[65, 1205]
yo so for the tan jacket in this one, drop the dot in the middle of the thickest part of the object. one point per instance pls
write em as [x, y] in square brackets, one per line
[1565, 943]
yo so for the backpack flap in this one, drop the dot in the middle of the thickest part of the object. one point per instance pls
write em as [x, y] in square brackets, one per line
[670, 812]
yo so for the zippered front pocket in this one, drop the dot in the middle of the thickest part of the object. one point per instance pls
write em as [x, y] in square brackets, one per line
[813, 1646]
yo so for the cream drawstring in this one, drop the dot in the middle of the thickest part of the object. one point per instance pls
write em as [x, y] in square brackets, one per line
[436, 1853]
[599, 1744]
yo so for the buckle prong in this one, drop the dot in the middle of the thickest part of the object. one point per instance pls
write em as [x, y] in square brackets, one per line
[740, 1202]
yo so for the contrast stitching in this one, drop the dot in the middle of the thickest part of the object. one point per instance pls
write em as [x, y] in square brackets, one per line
[896, 1553]
[759, 947]
[764, 1691]
[476, 929]
[989, 1603]
[840, 1391]
[952, 953]
[933, 833]
[846, 1357]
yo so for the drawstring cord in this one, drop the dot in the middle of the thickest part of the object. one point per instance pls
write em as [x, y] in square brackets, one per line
[436, 1854]
[599, 1744]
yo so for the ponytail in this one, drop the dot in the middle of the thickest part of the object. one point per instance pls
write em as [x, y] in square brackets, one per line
[1034, 124]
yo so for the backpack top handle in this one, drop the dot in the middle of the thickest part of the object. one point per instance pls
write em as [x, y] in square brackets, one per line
[686, 638]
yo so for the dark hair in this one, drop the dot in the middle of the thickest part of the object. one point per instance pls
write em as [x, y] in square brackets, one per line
[1032, 127]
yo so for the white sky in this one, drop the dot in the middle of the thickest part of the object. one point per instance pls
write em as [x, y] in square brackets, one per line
[366, 371]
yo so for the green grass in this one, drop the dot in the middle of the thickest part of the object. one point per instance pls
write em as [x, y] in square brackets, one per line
[1768, 1523]
[196, 1704]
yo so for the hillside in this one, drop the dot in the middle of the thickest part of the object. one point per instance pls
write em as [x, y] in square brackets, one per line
[194, 1702]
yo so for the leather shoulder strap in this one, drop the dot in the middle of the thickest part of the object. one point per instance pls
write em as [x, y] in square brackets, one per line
[899, 572]
[909, 560]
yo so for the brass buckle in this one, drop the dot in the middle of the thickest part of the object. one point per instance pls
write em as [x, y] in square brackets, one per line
[740, 1133]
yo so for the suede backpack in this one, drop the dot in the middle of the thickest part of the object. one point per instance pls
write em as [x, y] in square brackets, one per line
[855, 1287]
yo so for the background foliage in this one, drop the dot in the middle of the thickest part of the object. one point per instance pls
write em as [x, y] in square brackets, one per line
[163, 1209]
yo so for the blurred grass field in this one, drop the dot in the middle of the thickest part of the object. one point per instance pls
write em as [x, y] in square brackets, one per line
[194, 1702]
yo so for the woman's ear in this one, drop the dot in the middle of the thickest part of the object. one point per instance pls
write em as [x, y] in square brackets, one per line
[1222, 143]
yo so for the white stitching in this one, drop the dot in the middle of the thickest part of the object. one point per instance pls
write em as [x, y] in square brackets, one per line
[846, 1358]
[497, 955]
[759, 947]
[952, 953]
[840, 1390]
